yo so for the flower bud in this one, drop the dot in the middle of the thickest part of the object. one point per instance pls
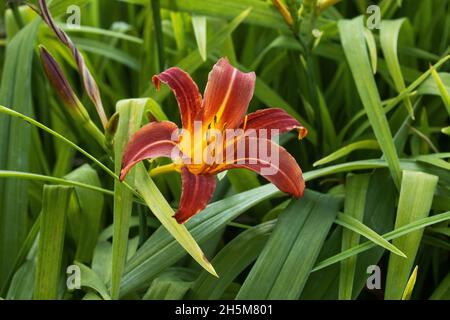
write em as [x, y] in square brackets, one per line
[62, 87]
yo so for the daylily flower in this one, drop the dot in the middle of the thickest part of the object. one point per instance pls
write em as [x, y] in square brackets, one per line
[223, 107]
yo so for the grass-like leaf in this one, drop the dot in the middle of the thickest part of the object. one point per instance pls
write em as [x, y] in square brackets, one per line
[404, 230]
[389, 36]
[354, 205]
[410, 285]
[355, 225]
[360, 145]
[130, 117]
[415, 201]
[353, 42]
[86, 220]
[15, 142]
[199, 24]
[284, 265]
[162, 250]
[231, 261]
[51, 241]
[89, 279]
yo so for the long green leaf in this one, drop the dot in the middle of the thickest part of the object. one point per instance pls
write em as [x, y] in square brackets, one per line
[404, 230]
[389, 37]
[379, 208]
[416, 196]
[355, 200]
[352, 37]
[87, 222]
[162, 210]
[231, 261]
[442, 292]
[51, 241]
[263, 13]
[442, 89]
[199, 24]
[22, 282]
[130, 117]
[284, 265]
[15, 139]
[170, 285]
[161, 250]
[342, 152]
[355, 225]
[410, 285]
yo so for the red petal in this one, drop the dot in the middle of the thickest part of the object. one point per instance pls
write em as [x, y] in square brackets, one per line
[286, 175]
[273, 119]
[151, 141]
[227, 95]
[185, 90]
[197, 191]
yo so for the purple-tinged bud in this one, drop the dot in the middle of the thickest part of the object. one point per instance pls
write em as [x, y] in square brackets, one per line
[89, 83]
[68, 96]
[62, 86]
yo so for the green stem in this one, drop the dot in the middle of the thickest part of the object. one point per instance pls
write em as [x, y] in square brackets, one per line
[239, 225]
[67, 141]
[39, 177]
[95, 132]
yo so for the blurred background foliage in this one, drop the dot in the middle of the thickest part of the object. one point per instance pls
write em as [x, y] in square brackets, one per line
[375, 160]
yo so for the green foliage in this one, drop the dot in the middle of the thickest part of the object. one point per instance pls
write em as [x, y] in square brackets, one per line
[376, 159]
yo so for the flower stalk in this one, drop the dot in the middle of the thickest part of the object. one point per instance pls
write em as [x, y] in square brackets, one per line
[89, 83]
[68, 97]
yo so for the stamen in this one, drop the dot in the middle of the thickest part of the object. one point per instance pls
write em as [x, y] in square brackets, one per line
[245, 122]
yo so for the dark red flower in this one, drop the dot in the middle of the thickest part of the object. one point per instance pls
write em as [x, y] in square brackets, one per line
[224, 107]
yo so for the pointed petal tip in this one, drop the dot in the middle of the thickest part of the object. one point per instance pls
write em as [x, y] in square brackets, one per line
[156, 82]
[302, 132]
[299, 190]
[227, 94]
[181, 216]
[185, 90]
[61, 85]
[123, 174]
[225, 61]
[274, 119]
[42, 48]
[45, 55]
